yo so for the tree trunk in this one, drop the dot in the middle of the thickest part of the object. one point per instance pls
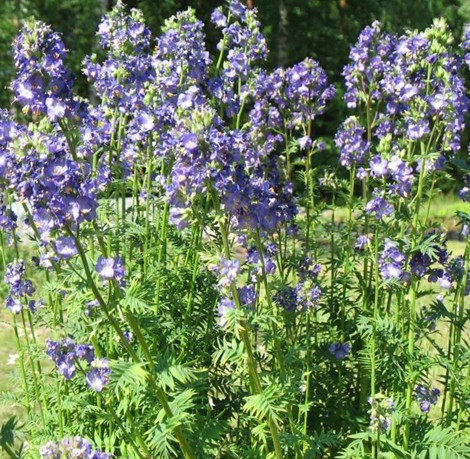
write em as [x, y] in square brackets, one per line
[283, 35]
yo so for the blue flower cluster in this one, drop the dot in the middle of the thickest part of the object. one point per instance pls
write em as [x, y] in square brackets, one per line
[381, 412]
[111, 269]
[19, 287]
[43, 84]
[67, 356]
[339, 350]
[71, 447]
[206, 133]
[391, 261]
[413, 93]
[426, 397]
[307, 293]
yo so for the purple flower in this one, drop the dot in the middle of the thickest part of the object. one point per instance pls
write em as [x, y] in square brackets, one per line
[378, 167]
[218, 18]
[128, 335]
[308, 268]
[419, 264]
[43, 84]
[7, 217]
[380, 207]
[391, 261]
[85, 352]
[466, 44]
[381, 412]
[65, 247]
[305, 142]
[351, 142]
[248, 295]
[340, 350]
[227, 271]
[416, 130]
[110, 268]
[56, 108]
[14, 277]
[237, 9]
[362, 242]
[464, 194]
[426, 397]
[13, 304]
[308, 295]
[75, 447]
[98, 377]
[66, 366]
[286, 298]
[66, 353]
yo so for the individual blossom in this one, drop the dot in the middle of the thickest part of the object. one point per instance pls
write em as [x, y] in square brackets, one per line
[453, 271]
[248, 295]
[380, 207]
[309, 269]
[65, 354]
[402, 175]
[308, 295]
[65, 247]
[227, 271]
[420, 263]
[391, 261]
[85, 352]
[362, 242]
[128, 335]
[110, 268]
[378, 167]
[15, 278]
[464, 193]
[8, 219]
[466, 44]
[14, 304]
[19, 287]
[417, 129]
[426, 397]
[98, 376]
[339, 350]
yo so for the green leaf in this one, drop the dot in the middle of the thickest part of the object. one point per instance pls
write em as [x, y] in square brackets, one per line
[265, 406]
[126, 375]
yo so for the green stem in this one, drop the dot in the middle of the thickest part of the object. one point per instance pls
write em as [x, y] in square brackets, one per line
[160, 394]
[22, 365]
[458, 316]
[412, 311]
[373, 382]
[252, 367]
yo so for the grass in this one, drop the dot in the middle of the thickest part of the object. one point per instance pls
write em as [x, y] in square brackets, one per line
[441, 212]
[8, 368]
